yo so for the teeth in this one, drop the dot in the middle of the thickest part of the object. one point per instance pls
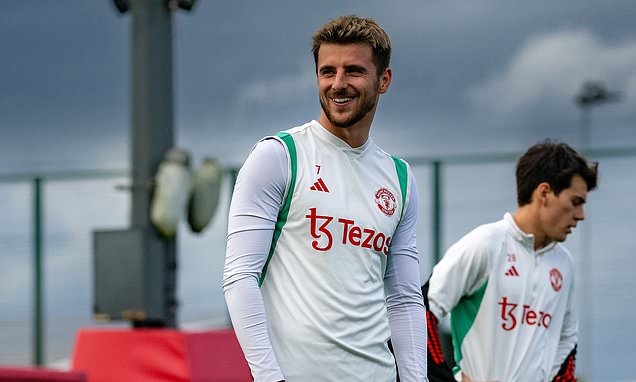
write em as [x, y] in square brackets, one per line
[342, 100]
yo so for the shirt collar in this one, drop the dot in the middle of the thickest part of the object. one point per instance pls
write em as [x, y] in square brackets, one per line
[327, 136]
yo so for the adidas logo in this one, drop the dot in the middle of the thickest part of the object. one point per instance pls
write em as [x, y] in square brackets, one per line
[512, 272]
[319, 186]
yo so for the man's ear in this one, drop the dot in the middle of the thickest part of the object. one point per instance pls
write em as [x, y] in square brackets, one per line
[385, 81]
[542, 192]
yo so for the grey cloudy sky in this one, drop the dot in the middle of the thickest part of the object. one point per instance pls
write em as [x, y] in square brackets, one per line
[468, 76]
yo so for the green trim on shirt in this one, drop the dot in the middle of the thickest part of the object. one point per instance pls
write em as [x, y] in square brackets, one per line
[284, 211]
[402, 172]
[462, 318]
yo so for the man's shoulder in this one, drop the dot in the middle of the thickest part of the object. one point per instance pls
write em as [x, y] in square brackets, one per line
[561, 251]
[387, 154]
[296, 129]
[280, 136]
[483, 241]
[488, 234]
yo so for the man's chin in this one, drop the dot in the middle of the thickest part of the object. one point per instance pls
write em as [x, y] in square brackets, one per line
[342, 123]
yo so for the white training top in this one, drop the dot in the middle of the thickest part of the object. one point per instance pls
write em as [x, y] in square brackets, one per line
[511, 307]
[321, 311]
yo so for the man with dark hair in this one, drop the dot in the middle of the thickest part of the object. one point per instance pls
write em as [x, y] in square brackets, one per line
[321, 266]
[509, 285]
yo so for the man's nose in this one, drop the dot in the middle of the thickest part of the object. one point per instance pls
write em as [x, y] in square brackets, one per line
[580, 214]
[340, 81]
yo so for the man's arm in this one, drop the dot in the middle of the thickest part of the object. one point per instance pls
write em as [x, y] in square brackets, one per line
[404, 299]
[257, 197]
[438, 369]
[566, 353]
[566, 371]
[461, 271]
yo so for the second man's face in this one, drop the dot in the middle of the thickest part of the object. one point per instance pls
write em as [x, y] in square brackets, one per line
[565, 210]
[348, 83]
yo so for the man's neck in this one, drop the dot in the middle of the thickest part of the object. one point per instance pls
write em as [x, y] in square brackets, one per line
[527, 219]
[354, 135]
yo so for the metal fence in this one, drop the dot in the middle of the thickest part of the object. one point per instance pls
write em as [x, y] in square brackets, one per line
[48, 220]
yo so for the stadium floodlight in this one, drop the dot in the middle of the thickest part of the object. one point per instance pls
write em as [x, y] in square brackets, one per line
[186, 4]
[595, 92]
[122, 6]
[183, 4]
[206, 188]
[172, 188]
[155, 212]
[592, 93]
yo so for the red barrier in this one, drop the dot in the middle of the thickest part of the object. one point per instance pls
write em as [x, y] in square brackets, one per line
[24, 374]
[167, 355]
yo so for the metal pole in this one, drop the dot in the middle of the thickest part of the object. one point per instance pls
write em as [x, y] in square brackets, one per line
[38, 312]
[152, 137]
[586, 259]
[437, 211]
[592, 93]
[585, 128]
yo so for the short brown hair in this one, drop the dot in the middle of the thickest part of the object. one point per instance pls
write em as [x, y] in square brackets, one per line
[352, 29]
[555, 163]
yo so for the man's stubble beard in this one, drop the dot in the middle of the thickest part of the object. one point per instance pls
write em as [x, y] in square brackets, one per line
[362, 112]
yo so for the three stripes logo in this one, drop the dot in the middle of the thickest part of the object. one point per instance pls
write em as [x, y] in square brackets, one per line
[319, 185]
[512, 271]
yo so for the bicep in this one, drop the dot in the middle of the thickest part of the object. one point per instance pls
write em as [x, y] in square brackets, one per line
[404, 241]
[256, 199]
[402, 276]
[259, 187]
[461, 271]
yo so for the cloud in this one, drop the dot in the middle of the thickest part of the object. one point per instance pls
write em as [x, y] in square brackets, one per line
[281, 90]
[549, 70]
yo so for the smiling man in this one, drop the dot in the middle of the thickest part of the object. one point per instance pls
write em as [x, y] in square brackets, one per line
[509, 285]
[321, 266]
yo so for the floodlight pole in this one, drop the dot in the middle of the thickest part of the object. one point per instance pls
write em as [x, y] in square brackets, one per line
[152, 137]
[592, 93]
[38, 289]
[152, 257]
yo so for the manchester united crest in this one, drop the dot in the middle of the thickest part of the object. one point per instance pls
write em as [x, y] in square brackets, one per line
[556, 279]
[385, 201]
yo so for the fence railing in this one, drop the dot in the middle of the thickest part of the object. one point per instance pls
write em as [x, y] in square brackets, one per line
[438, 181]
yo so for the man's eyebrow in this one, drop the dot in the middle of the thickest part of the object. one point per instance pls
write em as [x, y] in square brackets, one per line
[347, 67]
[356, 67]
